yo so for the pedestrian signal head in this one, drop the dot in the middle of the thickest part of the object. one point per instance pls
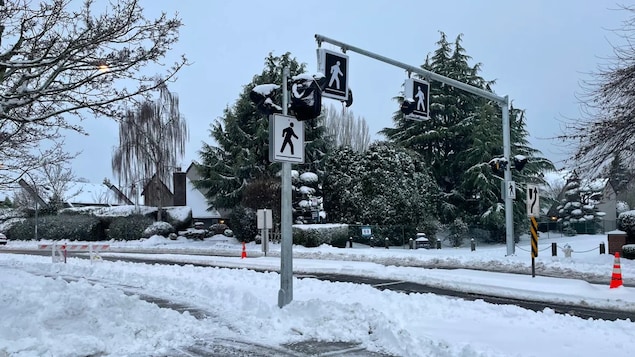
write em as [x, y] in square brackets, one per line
[306, 96]
[519, 162]
[498, 164]
[262, 96]
[408, 106]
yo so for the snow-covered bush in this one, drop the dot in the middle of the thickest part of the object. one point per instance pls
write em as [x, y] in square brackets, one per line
[158, 228]
[622, 206]
[458, 230]
[314, 235]
[228, 233]
[79, 227]
[628, 251]
[626, 223]
[129, 228]
[218, 228]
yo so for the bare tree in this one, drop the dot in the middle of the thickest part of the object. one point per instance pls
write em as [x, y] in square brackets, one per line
[607, 126]
[60, 63]
[346, 130]
[151, 141]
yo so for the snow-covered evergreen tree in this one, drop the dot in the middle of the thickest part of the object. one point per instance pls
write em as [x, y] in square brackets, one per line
[385, 185]
[577, 211]
[241, 152]
[463, 134]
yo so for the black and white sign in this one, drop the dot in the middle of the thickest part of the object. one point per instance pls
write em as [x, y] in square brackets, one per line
[419, 91]
[511, 190]
[286, 139]
[533, 201]
[334, 65]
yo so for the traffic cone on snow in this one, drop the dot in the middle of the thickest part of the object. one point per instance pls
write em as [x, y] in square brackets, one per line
[244, 253]
[616, 279]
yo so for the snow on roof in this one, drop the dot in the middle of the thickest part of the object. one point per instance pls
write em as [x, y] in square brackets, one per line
[89, 193]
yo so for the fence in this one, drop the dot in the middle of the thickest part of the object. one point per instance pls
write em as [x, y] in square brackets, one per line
[566, 249]
[584, 227]
[59, 251]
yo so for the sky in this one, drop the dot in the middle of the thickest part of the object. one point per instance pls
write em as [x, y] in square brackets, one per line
[100, 308]
[538, 52]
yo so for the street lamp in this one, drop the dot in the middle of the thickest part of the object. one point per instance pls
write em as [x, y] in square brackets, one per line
[33, 191]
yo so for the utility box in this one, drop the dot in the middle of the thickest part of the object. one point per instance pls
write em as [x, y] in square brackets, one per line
[616, 240]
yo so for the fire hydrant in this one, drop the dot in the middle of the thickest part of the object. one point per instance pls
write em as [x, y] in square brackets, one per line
[567, 250]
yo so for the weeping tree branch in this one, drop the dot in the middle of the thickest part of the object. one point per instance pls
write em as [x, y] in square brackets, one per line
[152, 140]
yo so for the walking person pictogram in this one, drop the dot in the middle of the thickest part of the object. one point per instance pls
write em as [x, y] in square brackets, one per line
[421, 105]
[335, 75]
[288, 133]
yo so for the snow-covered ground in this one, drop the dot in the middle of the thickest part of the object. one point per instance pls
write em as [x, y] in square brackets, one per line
[85, 308]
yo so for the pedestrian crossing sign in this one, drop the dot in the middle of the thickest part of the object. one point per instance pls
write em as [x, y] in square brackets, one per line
[286, 139]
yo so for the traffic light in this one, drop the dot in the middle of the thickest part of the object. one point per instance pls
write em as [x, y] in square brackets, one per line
[262, 96]
[408, 106]
[519, 162]
[498, 164]
[306, 96]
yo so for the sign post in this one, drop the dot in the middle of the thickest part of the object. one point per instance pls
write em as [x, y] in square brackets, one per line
[503, 102]
[264, 223]
[533, 210]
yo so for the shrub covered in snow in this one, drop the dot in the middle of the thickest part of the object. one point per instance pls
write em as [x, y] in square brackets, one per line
[314, 235]
[129, 228]
[626, 223]
[78, 227]
[158, 228]
[628, 251]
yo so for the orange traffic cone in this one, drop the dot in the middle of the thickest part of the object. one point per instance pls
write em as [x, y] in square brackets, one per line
[616, 279]
[244, 253]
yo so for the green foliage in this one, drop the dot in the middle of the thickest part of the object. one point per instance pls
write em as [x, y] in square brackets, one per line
[79, 227]
[628, 251]
[458, 231]
[218, 228]
[315, 235]
[243, 223]
[385, 185]
[462, 136]
[6, 203]
[159, 228]
[577, 210]
[241, 154]
[129, 228]
[626, 223]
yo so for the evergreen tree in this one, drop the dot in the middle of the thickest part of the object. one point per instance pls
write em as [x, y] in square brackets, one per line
[463, 134]
[241, 153]
[577, 210]
[385, 185]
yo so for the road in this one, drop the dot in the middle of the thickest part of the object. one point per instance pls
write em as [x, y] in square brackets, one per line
[406, 287]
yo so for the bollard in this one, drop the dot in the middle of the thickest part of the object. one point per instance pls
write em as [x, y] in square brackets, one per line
[411, 243]
[438, 244]
[350, 242]
[602, 248]
[472, 244]
[386, 242]
[554, 249]
[371, 241]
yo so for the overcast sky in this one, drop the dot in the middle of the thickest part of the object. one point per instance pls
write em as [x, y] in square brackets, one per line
[538, 52]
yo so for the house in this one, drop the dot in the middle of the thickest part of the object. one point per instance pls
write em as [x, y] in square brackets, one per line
[183, 193]
[80, 194]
